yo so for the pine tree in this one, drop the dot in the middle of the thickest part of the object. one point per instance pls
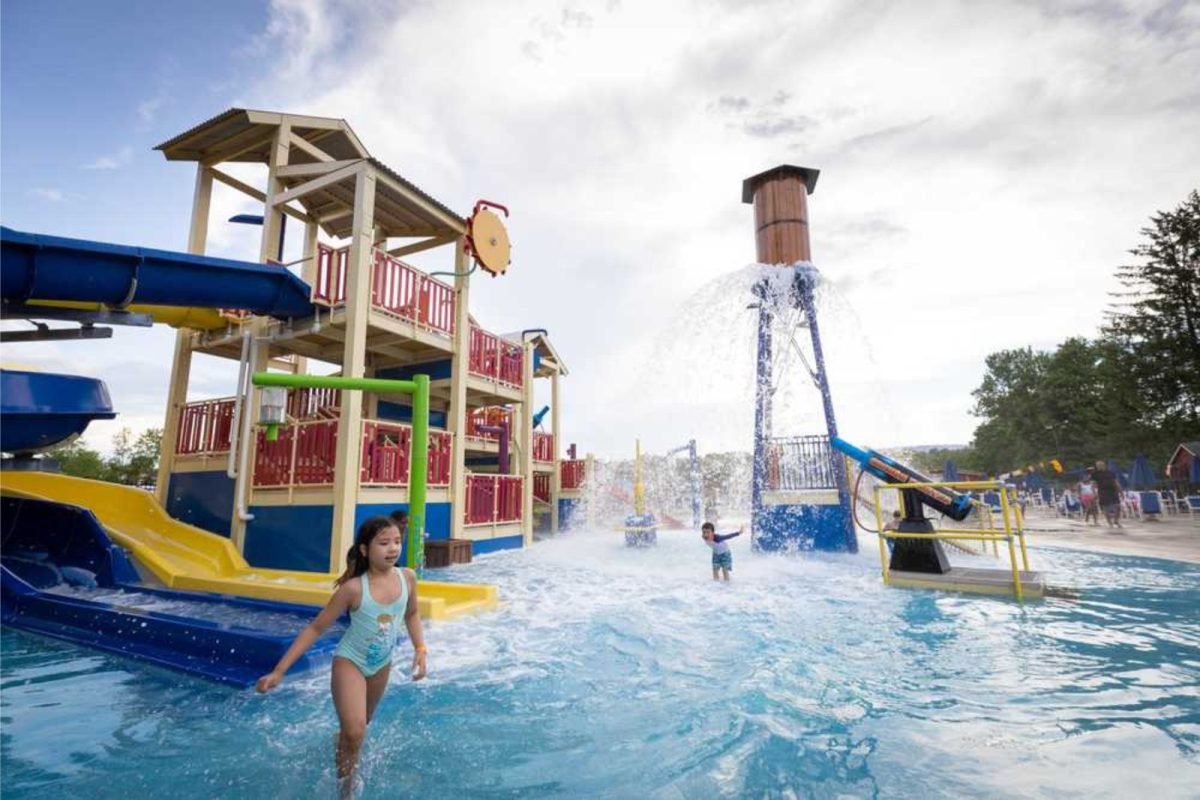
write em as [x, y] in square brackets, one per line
[1157, 319]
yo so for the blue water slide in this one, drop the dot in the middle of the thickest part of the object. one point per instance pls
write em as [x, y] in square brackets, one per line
[62, 577]
[41, 409]
[38, 267]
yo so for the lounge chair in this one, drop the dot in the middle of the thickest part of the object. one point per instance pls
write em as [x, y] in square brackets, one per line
[1191, 504]
[1151, 502]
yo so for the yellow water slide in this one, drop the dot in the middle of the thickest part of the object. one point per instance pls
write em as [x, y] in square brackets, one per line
[204, 319]
[191, 559]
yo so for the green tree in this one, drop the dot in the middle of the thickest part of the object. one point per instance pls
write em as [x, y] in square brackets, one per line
[134, 460]
[79, 460]
[1157, 319]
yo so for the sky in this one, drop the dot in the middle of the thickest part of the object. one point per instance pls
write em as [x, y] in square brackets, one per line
[985, 167]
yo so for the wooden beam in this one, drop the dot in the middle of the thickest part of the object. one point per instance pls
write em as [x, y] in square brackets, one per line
[337, 176]
[301, 143]
[320, 168]
[247, 189]
[234, 146]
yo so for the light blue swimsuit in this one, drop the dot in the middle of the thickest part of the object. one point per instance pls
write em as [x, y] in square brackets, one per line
[369, 640]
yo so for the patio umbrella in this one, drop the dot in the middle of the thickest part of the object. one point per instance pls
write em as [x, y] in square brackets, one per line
[1141, 476]
[1034, 481]
[950, 471]
[1194, 471]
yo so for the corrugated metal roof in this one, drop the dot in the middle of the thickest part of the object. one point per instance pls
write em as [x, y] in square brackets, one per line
[224, 115]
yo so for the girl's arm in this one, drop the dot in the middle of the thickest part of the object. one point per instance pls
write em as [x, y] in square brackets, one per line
[726, 536]
[337, 605]
[412, 621]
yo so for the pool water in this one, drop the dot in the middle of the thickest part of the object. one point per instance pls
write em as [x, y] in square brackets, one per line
[629, 674]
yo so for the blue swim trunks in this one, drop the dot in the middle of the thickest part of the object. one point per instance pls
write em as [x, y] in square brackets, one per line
[723, 561]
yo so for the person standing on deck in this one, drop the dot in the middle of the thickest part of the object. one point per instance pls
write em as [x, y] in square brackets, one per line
[1109, 492]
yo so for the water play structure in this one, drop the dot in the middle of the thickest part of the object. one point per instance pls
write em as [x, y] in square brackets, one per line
[800, 499]
[256, 519]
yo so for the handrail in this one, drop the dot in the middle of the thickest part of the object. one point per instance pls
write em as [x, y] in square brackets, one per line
[205, 427]
[1014, 526]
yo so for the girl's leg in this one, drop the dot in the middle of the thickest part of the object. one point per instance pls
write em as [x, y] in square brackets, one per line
[349, 689]
[725, 574]
[376, 686]
[716, 573]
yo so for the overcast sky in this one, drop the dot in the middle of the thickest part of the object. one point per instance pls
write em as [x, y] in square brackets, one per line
[984, 169]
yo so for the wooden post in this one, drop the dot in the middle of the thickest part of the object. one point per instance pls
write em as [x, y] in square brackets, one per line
[457, 416]
[556, 476]
[527, 442]
[181, 364]
[358, 311]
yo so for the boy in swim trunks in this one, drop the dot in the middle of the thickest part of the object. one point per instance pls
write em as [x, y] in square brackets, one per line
[722, 558]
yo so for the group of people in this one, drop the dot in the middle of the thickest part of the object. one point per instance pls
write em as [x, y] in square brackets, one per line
[1100, 492]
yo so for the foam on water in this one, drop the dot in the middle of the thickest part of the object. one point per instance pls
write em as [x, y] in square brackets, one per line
[611, 672]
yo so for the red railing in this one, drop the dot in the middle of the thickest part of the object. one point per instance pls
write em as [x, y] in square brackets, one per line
[309, 403]
[397, 288]
[440, 454]
[572, 474]
[541, 487]
[329, 283]
[406, 292]
[303, 454]
[494, 358]
[543, 446]
[205, 427]
[489, 415]
[386, 451]
[493, 499]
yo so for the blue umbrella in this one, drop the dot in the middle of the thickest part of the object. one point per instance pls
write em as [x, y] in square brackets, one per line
[1141, 476]
[950, 471]
[1194, 471]
[1035, 481]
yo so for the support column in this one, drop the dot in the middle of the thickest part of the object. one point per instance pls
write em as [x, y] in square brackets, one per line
[556, 476]
[348, 464]
[308, 273]
[457, 415]
[181, 364]
[527, 442]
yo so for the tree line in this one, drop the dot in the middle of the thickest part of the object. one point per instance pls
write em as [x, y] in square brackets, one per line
[134, 459]
[1133, 388]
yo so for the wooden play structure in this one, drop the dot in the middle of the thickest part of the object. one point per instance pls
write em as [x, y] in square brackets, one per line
[294, 502]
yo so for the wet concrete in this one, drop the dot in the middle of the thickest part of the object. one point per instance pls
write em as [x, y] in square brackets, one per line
[1173, 536]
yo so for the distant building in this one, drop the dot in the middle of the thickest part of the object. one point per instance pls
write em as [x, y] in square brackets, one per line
[1181, 461]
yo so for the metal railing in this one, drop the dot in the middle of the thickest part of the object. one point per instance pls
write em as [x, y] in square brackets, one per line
[800, 462]
[1012, 533]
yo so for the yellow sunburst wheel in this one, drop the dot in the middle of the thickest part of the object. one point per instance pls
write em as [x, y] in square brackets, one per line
[489, 238]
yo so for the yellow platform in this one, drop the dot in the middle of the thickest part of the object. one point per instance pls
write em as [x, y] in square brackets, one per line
[191, 559]
[971, 580]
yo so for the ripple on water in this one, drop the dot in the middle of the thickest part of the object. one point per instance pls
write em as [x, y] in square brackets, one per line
[616, 673]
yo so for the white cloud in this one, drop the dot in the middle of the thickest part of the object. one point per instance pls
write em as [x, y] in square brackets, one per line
[113, 161]
[984, 170]
[147, 110]
[48, 194]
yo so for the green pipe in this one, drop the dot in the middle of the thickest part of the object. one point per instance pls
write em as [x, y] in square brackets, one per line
[418, 465]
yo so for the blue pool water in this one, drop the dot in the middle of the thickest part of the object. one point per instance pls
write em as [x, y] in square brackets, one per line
[628, 674]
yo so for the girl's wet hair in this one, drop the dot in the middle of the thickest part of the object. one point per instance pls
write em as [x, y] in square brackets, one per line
[708, 526]
[356, 557]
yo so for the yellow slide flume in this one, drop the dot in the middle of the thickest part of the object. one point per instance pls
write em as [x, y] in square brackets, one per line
[191, 559]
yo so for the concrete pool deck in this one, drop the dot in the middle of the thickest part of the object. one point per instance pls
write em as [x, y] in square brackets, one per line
[1175, 536]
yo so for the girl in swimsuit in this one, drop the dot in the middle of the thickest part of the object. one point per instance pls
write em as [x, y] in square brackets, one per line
[376, 593]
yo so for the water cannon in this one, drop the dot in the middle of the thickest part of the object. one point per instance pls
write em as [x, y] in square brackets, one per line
[946, 501]
[912, 555]
[539, 416]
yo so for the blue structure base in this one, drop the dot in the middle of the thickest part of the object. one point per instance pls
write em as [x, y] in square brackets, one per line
[482, 546]
[569, 511]
[803, 527]
[49, 548]
[203, 499]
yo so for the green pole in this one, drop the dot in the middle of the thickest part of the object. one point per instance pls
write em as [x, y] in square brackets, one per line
[418, 468]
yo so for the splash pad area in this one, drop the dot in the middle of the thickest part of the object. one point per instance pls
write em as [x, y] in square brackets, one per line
[615, 672]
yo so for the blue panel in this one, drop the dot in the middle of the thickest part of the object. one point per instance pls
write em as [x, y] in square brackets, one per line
[290, 537]
[402, 413]
[483, 461]
[482, 546]
[40, 409]
[568, 509]
[436, 370]
[437, 520]
[203, 499]
[802, 527]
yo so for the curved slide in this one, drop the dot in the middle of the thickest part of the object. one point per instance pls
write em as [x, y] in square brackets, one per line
[188, 558]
